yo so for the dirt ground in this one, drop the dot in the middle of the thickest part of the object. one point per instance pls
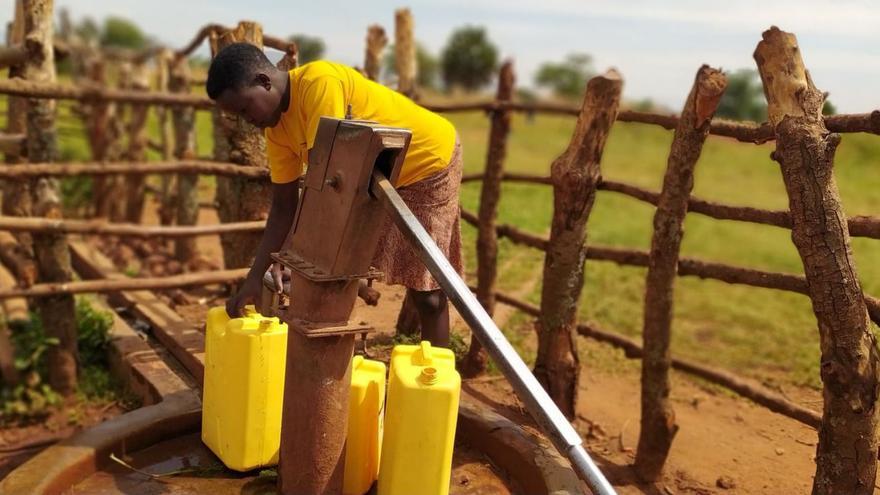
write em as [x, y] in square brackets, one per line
[20, 442]
[725, 444]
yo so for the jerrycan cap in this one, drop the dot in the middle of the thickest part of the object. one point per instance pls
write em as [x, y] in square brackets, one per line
[428, 376]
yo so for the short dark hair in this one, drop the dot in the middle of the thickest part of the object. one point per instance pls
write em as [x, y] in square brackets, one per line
[235, 66]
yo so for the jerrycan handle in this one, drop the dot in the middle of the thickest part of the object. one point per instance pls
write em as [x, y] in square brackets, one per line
[425, 358]
[249, 311]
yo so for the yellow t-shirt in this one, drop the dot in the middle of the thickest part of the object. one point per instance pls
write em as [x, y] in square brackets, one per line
[327, 89]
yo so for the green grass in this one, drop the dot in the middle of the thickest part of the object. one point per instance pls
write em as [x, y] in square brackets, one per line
[769, 335]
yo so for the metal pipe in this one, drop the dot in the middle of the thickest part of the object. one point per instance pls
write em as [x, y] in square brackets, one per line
[545, 412]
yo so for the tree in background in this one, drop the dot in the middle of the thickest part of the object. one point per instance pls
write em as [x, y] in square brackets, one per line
[567, 79]
[469, 59]
[427, 67]
[122, 33]
[828, 108]
[88, 29]
[643, 105]
[311, 48]
[744, 97]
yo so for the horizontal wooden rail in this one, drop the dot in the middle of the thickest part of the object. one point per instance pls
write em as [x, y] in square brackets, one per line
[13, 144]
[12, 55]
[204, 167]
[89, 93]
[859, 226]
[686, 266]
[744, 387]
[49, 225]
[749, 132]
[268, 41]
[743, 131]
[151, 283]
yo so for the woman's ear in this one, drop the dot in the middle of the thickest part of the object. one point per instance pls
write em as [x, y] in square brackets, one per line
[263, 80]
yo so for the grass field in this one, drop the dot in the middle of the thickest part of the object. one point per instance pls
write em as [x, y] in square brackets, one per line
[770, 335]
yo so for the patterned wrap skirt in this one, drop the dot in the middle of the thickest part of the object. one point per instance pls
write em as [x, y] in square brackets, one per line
[434, 202]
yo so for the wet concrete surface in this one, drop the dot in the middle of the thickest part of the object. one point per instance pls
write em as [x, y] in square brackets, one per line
[200, 472]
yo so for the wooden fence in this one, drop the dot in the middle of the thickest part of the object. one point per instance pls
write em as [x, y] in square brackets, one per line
[820, 231]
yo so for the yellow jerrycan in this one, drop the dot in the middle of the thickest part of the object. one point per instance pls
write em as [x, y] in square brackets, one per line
[243, 389]
[420, 419]
[366, 407]
[244, 393]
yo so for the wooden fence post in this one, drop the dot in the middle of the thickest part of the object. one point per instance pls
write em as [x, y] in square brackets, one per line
[103, 139]
[137, 144]
[846, 455]
[575, 175]
[51, 251]
[17, 249]
[376, 42]
[115, 187]
[658, 417]
[16, 193]
[167, 210]
[184, 149]
[290, 59]
[405, 52]
[490, 193]
[237, 141]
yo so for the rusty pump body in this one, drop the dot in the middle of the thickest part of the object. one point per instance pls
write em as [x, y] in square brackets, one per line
[328, 251]
[347, 192]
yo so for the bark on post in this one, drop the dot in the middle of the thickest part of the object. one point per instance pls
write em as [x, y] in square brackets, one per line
[137, 145]
[290, 59]
[487, 237]
[405, 52]
[184, 149]
[846, 455]
[16, 193]
[103, 140]
[575, 175]
[164, 61]
[9, 375]
[115, 187]
[376, 42]
[658, 417]
[51, 251]
[16, 250]
[237, 141]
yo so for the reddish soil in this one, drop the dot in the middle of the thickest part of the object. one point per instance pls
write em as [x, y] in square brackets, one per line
[725, 444]
[198, 472]
[19, 441]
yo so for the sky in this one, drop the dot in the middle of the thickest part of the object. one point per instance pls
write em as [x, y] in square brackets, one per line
[657, 46]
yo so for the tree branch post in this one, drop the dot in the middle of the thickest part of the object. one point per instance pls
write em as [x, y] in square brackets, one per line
[490, 194]
[405, 52]
[51, 251]
[137, 144]
[237, 141]
[16, 193]
[846, 455]
[658, 425]
[184, 124]
[103, 141]
[376, 42]
[167, 210]
[575, 176]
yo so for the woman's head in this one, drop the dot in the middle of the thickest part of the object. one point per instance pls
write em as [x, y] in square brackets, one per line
[244, 82]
